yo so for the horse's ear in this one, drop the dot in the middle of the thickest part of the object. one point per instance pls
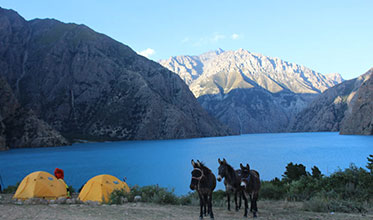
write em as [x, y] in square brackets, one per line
[247, 166]
[241, 166]
[193, 164]
[224, 161]
[219, 161]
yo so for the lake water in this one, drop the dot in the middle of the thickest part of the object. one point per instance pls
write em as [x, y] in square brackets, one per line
[167, 162]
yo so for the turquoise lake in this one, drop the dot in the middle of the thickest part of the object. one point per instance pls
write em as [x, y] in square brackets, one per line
[167, 162]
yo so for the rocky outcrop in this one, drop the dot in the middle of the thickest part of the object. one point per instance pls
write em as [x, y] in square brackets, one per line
[89, 86]
[247, 91]
[359, 117]
[20, 127]
[327, 111]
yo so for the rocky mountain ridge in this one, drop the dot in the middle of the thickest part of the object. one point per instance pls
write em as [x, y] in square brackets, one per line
[248, 91]
[359, 116]
[89, 86]
[328, 111]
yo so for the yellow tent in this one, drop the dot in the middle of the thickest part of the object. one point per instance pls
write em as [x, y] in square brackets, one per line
[100, 187]
[40, 185]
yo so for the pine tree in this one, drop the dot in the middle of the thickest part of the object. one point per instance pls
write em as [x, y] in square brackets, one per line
[370, 163]
[316, 173]
[294, 172]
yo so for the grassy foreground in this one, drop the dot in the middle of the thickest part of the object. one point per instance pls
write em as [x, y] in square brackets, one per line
[150, 211]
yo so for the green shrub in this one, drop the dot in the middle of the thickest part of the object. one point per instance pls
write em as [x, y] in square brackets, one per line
[152, 194]
[11, 189]
[71, 189]
[219, 198]
[342, 191]
[322, 204]
[273, 190]
[116, 196]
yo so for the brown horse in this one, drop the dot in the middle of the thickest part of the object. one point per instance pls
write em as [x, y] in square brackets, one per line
[232, 181]
[204, 181]
[250, 182]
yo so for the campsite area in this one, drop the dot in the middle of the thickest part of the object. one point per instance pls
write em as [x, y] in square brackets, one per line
[149, 211]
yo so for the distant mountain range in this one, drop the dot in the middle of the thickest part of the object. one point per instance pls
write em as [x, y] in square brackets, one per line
[85, 85]
[250, 92]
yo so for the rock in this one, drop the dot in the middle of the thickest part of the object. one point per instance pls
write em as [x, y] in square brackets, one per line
[19, 202]
[123, 200]
[53, 205]
[137, 198]
[52, 201]
[92, 203]
[61, 200]
[78, 201]
[69, 201]
[44, 202]
[28, 202]
[36, 201]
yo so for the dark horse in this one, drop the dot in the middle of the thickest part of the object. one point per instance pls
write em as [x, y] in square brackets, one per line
[232, 181]
[250, 182]
[203, 180]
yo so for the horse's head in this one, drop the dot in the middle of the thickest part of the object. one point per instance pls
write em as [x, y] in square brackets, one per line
[245, 175]
[197, 175]
[222, 170]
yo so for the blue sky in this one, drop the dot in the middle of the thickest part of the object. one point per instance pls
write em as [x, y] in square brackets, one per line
[327, 36]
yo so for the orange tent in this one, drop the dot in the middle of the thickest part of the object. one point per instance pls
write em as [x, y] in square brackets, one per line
[40, 184]
[100, 187]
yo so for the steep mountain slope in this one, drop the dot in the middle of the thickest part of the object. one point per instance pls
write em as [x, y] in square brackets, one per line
[327, 111]
[359, 117]
[88, 86]
[248, 91]
[21, 128]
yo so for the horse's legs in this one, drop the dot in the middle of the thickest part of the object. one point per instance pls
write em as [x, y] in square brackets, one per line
[210, 205]
[255, 207]
[201, 205]
[246, 205]
[235, 199]
[251, 203]
[240, 192]
[205, 202]
[228, 199]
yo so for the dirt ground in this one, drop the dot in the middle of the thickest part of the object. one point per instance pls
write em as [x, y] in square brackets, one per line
[145, 211]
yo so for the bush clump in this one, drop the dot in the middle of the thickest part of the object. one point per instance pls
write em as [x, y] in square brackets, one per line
[350, 190]
[11, 189]
[152, 194]
[160, 195]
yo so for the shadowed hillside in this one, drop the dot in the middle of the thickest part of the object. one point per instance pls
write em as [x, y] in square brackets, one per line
[89, 86]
